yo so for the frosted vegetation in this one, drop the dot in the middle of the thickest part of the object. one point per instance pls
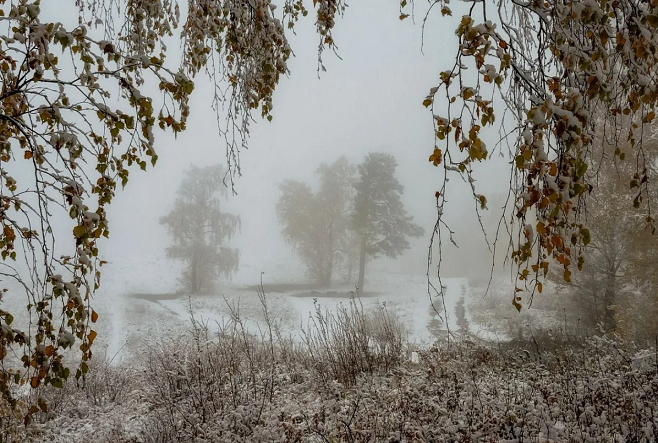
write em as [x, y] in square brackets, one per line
[569, 87]
[354, 378]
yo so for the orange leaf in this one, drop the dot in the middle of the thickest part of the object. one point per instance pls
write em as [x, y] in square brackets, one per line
[435, 158]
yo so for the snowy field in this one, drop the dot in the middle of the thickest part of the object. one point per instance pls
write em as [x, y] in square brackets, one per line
[138, 301]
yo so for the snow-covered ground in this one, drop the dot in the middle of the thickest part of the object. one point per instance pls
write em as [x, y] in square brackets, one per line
[138, 301]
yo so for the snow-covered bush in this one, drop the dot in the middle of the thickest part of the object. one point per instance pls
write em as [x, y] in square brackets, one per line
[349, 342]
[233, 386]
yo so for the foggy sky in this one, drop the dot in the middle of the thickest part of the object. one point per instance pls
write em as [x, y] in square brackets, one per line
[368, 101]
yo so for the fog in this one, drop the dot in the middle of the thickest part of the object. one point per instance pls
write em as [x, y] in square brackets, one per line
[368, 100]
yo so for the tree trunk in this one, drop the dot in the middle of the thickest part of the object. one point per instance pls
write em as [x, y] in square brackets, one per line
[610, 320]
[350, 267]
[362, 265]
[325, 279]
[194, 278]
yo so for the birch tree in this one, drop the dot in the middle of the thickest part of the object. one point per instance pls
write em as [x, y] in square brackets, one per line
[538, 71]
[200, 228]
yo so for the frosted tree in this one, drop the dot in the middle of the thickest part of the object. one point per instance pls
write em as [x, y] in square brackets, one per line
[80, 108]
[379, 218]
[199, 229]
[616, 288]
[317, 224]
[547, 66]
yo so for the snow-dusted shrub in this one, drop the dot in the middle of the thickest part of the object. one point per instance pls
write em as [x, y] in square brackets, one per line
[465, 392]
[212, 388]
[234, 386]
[350, 342]
[105, 383]
[11, 424]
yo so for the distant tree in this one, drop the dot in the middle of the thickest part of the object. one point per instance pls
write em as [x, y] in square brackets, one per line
[379, 217]
[199, 229]
[317, 224]
[336, 199]
[617, 261]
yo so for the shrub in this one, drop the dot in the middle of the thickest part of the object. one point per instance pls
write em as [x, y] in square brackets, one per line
[351, 342]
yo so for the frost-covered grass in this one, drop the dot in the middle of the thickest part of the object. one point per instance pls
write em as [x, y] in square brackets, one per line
[320, 369]
[355, 382]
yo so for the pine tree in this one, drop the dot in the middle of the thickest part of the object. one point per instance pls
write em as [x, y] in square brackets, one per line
[379, 217]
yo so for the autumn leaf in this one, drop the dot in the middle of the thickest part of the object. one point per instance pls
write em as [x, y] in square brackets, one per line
[91, 336]
[79, 231]
[436, 157]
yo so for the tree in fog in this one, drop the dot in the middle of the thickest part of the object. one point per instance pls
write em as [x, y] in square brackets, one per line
[539, 72]
[199, 229]
[317, 224]
[379, 218]
[71, 133]
[617, 284]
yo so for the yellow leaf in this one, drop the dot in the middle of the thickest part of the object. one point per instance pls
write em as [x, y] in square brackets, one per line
[94, 316]
[541, 228]
[435, 158]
